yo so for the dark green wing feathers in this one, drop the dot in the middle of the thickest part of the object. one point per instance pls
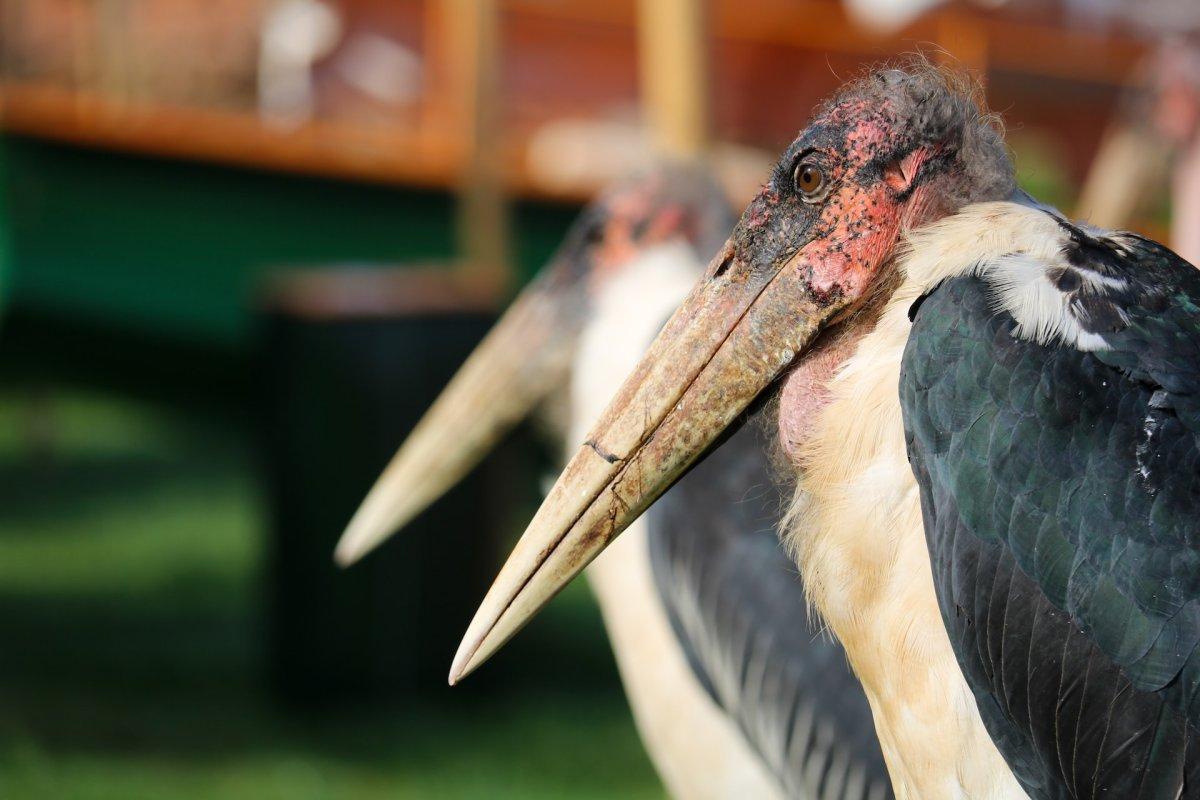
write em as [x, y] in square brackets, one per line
[1061, 493]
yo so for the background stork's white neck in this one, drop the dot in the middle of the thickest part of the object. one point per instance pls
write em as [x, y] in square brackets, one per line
[697, 750]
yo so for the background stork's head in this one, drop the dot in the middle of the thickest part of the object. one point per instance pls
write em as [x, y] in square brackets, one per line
[672, 203]
[527, 355]
[896, 149]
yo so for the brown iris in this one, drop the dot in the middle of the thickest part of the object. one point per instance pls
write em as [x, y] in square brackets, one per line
[810, 180]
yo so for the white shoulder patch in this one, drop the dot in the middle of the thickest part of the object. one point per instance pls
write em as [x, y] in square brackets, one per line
[1019, 252]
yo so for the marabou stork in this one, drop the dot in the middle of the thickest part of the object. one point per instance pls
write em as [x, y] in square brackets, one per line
[1022, 602]
[734, 693]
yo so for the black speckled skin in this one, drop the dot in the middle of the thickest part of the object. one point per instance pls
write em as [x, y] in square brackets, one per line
[737, 606]
[1061, 498]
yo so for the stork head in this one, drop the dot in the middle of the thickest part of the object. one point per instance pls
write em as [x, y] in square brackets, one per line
[894, 150]
[675, 202]
[526, 356]
[890, 152]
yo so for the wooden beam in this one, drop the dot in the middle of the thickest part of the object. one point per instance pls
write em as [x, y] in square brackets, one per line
[471, 61]
[329, 148]
[672, 62]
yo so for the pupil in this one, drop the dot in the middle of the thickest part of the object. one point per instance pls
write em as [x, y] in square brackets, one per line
[809, 179]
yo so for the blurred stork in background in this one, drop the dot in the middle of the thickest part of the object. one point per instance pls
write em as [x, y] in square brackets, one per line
[996, 436]
[1153, 143]
[734, 693]
[1179, 120]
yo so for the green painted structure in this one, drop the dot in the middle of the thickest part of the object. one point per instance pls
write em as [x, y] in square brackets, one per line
[175, 249]
[4, 236]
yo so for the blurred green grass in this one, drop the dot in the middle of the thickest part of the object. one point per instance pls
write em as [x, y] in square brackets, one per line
[131, 639]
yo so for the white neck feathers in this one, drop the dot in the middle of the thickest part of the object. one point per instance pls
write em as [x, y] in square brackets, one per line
[856, 529]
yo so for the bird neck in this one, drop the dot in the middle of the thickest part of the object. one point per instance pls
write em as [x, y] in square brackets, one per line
[855, 528]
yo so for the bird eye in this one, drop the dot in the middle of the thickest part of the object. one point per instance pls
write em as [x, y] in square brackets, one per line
[594, 233]
[809, 179]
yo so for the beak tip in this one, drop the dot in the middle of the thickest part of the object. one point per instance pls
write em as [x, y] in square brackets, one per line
[364, 533]
[458, 671]
[347, 552]
[462, 665]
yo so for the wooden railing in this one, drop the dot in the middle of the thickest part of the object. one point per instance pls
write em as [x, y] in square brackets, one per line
[432, 148]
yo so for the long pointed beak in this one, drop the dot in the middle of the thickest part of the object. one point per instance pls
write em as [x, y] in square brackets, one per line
[524, 357]
[741, 326]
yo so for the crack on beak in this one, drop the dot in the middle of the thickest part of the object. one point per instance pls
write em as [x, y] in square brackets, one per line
[611, 458]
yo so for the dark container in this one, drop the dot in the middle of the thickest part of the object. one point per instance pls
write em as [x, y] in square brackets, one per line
[351, 359]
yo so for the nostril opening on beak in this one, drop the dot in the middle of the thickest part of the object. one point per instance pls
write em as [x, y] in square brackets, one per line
[724, 266]
[640, 228]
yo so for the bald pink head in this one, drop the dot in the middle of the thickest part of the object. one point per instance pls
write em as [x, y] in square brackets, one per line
[892, 151]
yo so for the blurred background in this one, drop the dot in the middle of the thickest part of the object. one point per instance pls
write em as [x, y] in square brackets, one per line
[244, 243]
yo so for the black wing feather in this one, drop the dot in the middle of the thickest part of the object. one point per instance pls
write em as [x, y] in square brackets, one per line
[737, 605]
[1061, 496]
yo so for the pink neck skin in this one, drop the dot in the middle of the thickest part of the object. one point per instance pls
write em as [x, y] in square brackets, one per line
[806, 389]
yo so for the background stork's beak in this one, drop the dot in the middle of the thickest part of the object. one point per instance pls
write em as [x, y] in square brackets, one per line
[740, 327]
[518, 363]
